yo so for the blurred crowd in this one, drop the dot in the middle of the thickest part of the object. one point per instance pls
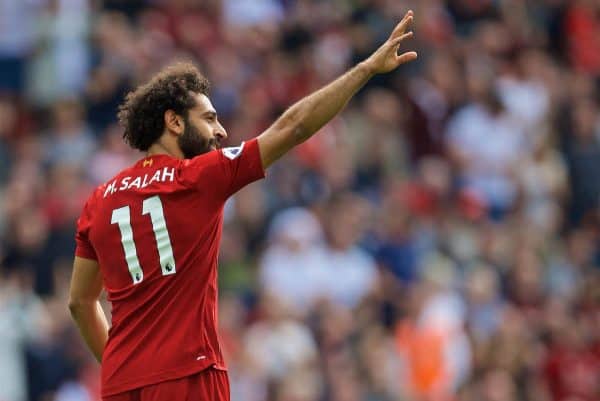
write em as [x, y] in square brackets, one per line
[439, 241]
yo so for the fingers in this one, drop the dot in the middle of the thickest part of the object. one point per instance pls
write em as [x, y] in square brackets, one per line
[406, 57]
[397, 41]
[402, 25]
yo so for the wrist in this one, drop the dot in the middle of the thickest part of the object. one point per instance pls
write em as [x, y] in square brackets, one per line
[368, 67]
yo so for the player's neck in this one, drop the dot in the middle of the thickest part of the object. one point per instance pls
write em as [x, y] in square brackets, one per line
[158, 148]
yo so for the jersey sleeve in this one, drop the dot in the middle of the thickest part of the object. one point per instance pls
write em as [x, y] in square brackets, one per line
[83, 246]
[225, 171]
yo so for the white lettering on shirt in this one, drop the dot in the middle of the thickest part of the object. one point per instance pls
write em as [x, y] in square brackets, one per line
[144, 183]
[110, 188]
[166, 174]
[135, 183]
[124, 183]
[155, 177]
[170, 172]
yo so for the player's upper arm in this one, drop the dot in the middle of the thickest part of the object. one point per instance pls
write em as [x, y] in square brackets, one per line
[86, 282]
[83, 245]
[277, 140]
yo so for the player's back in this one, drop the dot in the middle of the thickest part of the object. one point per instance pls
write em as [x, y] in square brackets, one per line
[155, 230]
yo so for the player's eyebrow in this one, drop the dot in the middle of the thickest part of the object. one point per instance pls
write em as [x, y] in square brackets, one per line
[210, 113]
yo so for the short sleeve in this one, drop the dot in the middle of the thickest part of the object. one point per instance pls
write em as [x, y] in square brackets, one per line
[224, 171]
[83, 246]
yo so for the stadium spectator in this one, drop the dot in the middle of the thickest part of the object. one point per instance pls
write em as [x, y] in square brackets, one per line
[484, 152]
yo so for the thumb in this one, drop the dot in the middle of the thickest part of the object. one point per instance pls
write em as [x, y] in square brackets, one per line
[406, 57]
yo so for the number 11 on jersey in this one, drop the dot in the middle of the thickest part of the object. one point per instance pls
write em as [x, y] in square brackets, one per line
[122, 217]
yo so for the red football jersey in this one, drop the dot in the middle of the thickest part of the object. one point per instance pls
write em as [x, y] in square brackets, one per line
[155, 231]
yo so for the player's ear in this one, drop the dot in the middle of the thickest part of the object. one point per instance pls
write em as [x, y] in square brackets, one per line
[173, 122]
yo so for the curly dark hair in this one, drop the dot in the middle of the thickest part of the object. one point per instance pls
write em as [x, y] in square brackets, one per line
[142, 112]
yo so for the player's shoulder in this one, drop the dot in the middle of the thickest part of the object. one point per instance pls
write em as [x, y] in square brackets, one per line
[223, 154]
[100, 190]
[213, 156]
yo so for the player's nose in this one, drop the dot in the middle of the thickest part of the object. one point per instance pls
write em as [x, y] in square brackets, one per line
[221, 134]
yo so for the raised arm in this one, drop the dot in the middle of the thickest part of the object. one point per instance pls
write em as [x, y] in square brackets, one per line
[306, 116]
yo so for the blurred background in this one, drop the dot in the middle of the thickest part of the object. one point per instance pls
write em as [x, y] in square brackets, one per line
[438, 241]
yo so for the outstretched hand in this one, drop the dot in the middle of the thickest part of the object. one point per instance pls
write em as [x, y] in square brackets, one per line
[308, 115]
[386, 58]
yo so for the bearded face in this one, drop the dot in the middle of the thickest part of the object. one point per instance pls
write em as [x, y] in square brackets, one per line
[193, 143]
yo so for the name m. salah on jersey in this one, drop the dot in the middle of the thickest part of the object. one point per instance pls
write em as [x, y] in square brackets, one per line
[163, 175]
